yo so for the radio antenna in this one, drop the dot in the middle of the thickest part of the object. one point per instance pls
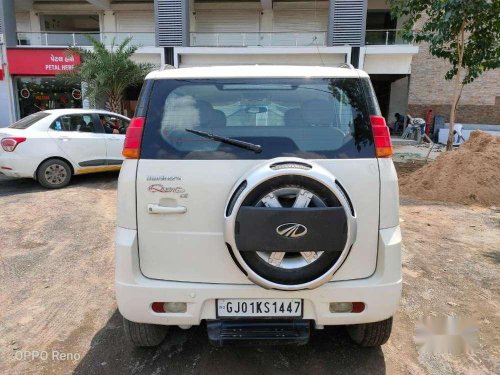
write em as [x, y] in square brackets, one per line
[320, 57]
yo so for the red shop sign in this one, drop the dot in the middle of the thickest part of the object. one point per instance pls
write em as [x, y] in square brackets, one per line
[48, 62]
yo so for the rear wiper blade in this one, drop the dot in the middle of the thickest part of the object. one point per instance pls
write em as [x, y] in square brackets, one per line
[230, 141]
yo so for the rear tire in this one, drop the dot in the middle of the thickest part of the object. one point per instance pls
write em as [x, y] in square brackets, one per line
[371, 334]
[144, 335]
[54, 174]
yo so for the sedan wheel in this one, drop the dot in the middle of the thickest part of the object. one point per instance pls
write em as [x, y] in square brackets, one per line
[54, 174]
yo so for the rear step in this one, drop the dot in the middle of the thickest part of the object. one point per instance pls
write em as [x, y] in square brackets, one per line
[258, 332]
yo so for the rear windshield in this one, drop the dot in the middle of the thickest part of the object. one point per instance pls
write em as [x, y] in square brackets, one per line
[27, 121]
[308, 118]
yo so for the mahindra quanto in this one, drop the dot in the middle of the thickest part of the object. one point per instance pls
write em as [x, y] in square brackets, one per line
[260, 200]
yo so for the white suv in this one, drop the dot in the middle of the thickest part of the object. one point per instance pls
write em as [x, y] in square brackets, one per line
[261, 200]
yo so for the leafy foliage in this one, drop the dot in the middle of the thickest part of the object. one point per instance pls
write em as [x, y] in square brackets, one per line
[107, 71]
[442, 24]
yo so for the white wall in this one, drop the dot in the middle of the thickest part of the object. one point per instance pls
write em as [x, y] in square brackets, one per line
[394, 59]
[207, 60]
[152, 58]
[387, 64]
[23, 22]
[206, 56]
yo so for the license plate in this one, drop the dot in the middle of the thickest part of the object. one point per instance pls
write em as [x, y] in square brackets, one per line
[259, 308]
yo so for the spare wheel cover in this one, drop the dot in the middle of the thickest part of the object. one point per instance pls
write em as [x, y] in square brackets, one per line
[288, 224]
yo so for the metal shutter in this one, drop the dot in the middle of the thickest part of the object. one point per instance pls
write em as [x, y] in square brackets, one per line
[347, 25]
[300, 20]
[226, 28]
[171, 21]
[220, 21]
[130, 22]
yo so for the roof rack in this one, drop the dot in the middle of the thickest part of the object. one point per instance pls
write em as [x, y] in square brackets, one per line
[347, 66]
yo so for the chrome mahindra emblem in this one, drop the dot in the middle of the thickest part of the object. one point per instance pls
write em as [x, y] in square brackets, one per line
[291, 230]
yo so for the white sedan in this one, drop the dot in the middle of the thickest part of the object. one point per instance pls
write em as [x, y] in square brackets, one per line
[52, 146]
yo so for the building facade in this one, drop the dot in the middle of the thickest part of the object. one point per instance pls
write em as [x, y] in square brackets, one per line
[35, 35]
[185, 33]
[479, 102]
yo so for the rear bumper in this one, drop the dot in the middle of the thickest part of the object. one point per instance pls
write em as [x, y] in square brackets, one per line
[135, 293]
[13, 165]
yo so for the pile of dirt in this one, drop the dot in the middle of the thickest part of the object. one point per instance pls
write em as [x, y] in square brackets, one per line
[470, 174]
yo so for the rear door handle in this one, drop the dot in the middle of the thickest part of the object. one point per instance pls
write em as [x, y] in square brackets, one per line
[157, 209]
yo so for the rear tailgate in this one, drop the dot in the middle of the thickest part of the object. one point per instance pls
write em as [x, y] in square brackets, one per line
[325, 120]
[191, 246]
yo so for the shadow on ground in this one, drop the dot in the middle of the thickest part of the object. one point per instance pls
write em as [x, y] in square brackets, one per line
[189, 352]
[14, 186]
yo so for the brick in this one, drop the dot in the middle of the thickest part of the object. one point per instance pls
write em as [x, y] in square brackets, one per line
[479, 102]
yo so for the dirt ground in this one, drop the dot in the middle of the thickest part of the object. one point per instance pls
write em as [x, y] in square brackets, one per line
[56, 284]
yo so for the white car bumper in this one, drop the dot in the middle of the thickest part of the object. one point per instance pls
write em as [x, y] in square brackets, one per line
[14, 165]
[135, 293]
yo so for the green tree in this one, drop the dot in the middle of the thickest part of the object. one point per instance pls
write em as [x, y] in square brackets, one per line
[106, 72]
[464, 32]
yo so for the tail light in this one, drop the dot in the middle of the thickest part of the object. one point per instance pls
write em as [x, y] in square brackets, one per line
[9, 144]
[133, 138]
[381, 137]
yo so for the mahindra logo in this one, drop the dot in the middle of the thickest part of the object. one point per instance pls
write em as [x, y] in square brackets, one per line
[291, 230]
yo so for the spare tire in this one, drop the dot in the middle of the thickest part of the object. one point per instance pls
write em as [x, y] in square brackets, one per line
[289, 228]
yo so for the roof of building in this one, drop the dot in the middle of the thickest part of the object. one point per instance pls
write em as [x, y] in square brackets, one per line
[258, 71]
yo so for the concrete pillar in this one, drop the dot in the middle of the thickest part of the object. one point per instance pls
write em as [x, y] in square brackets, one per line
[192, 17]
[266, 21]
[8, 22]
[35, 26]
[108, 22]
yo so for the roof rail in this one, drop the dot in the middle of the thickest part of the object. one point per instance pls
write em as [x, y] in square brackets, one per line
[346, 66]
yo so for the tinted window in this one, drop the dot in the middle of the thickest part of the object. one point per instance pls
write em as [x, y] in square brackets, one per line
[29, 120]
[75, 123]
[308, 118]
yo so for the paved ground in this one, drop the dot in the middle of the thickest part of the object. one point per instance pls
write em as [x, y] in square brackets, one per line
[56, 294]
[416, 152]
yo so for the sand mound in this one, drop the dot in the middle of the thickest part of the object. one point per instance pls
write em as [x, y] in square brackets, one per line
[470, 174]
